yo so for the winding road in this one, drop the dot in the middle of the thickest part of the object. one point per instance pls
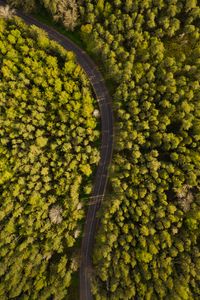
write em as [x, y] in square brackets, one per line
[101, 177]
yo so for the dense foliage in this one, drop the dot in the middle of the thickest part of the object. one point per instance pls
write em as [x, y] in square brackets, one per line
[48, 139]
[148, 244]
[65, 11]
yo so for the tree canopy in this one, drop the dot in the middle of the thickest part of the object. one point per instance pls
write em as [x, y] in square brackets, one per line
[148, 243]
[65, 11]
[48, 151]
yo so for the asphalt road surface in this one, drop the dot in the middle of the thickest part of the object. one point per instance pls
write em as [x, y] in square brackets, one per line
[101, 177]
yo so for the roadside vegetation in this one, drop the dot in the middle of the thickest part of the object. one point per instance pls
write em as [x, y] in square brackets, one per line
[48, 151]
[148, 242]
[64, 11]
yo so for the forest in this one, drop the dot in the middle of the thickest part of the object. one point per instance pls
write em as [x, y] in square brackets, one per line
[48, 151]
[148, 243]
[147, 246]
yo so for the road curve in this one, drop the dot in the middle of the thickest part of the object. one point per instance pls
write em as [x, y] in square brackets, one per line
[101, 177]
